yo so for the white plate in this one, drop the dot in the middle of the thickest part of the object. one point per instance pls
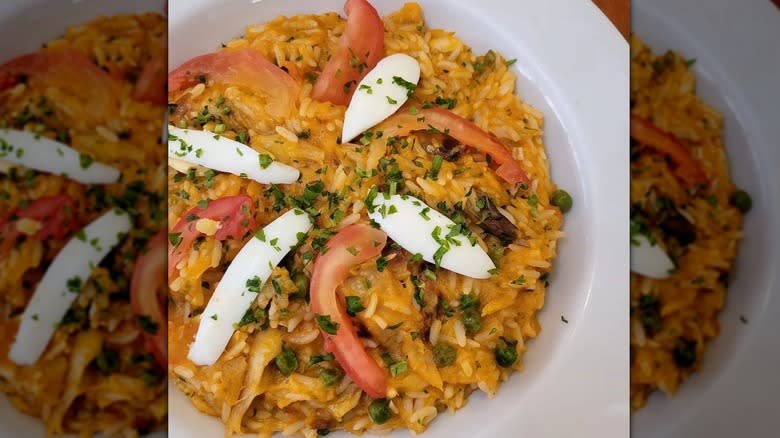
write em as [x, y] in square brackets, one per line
[573, 66]
[738, 72]
[33, 22]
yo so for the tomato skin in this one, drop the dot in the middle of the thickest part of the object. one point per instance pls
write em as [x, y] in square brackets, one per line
[243, 67]
[148, 295]
[360, 48]
[55, 213]
[688, 168]
[7, 81]
[150, 86]
[73, 74]
[330, 270]
[457, 127]
[236, 217]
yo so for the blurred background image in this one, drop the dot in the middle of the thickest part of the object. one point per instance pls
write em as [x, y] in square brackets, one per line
[82, 217]
[704, 294]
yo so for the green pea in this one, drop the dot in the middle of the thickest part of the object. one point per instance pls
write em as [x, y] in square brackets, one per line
[468, 301]
[742, 200]
[506, 352]
[379, 411]
[684, 353]
[443, 354]
[562, 200]
[650, 314]
[286, 362]
[471, 320]
[301, 282]
[330, 376]
[107, 361]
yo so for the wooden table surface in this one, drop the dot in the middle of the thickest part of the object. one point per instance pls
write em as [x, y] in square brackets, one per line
[619, 12]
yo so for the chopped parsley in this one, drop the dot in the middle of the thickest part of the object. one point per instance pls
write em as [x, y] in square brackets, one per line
[401, 82]
[253, 284]
[74, 284]
[147, 324]
[435, 167]
[397, 368]
[85, 161]
[325, 323]
[354, 305]
[265, 160]
[317, 358]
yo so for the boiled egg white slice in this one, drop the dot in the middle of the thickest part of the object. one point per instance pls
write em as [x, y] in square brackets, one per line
[649, 259]
[381, 92]
[63, 281]
[420, 229]
[232, 297]
[222, 154]
[28, 149]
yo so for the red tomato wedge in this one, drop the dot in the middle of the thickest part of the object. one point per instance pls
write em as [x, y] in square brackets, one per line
[353, 245]
[150, 86]
[360, 48]
[244, 67]
[56, 214]
[148, 297]
[462, 130]
[7, 81]
[234, 213]
[688, 169]
[70, 72]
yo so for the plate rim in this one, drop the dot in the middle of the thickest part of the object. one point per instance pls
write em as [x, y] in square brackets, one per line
[605, 63]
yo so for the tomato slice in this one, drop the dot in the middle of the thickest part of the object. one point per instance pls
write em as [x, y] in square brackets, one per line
[7, 80]
[462, 130]
[688, 168]
[234, 213]
[243, 67]
[351, 246]
[360, 48]
[150, 86]
[73, 74]
[56, 214]
[148, 296]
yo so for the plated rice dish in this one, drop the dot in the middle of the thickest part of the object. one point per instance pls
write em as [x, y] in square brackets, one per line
[361, 224]
[82, 189]
[686, 221]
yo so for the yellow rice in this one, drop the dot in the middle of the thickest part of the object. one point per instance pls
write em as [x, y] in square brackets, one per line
[300, 404]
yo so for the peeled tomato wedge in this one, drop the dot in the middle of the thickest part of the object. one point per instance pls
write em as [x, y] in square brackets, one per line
[359, 49]
[62, 283]
[351, 246]
[232, 297]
